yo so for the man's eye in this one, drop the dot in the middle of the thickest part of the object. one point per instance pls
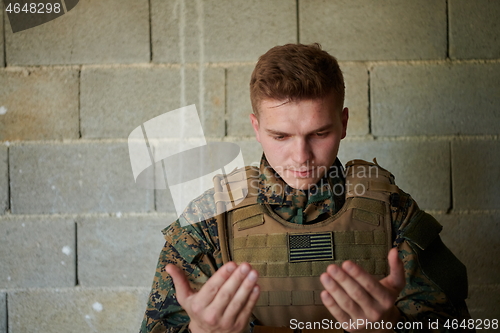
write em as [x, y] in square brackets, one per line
[322, 134]
[279, 137]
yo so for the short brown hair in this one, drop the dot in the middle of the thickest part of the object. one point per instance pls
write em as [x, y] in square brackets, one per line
[296, 72]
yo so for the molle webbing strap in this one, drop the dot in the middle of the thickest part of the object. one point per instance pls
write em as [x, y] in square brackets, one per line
[293, 297]
[261, 255]
[251, 222]
[273, 240]
[268, 254]
[248, 217]
[221, 221]
[365, 216]
[367, 210]
[345, 252]
[373, 206]
[374, 266]
[247, 212]
[360, 237]
[340, 237]
[275, 255]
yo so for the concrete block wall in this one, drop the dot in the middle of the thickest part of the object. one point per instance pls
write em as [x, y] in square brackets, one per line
[79, 240]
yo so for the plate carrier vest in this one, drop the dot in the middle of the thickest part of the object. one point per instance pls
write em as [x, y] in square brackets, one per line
[290, 257]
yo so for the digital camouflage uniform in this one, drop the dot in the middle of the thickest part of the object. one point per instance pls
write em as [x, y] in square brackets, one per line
[192, 244]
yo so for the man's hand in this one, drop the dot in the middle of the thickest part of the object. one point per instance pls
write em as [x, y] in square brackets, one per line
[224, 303]
[351, 293]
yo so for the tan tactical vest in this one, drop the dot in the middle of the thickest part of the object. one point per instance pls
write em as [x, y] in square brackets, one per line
[290, 257]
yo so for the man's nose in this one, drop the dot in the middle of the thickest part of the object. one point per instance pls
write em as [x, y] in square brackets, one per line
[301, 152]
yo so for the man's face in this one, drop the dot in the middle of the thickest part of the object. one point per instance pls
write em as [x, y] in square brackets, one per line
[300, 139]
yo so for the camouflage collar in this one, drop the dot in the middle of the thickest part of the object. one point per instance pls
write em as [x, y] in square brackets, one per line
[300, 206]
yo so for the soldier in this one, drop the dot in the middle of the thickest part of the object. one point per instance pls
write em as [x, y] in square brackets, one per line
[311, 245]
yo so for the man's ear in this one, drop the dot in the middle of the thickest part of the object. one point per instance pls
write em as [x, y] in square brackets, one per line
[255, 125]
[345, 118]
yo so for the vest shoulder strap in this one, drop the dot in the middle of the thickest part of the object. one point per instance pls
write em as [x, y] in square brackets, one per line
[369, 180]
[237, 189]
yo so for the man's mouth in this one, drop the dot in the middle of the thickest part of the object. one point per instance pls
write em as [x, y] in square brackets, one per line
[304, 173]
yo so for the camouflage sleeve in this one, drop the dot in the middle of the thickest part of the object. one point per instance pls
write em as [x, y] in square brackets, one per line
[421, 300]
[192, 245]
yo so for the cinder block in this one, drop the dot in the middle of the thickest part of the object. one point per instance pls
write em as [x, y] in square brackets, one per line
[470, 237]
[474, 29]
[165, 203]
[4, 180]
[476, 174]
[251, 150]
[239, 106]
[112, 31]
[75, 178]
[381, 30]
[484, 303]
[114, 101]
[104, 242]
[78, 310]
[37, 252]
[421, 169]
[356, 97]
[435, 99]
[3, 313]
[38, 104]
[215, 31]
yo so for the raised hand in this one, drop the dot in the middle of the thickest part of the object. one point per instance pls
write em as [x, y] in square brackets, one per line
[224, 303]
[351, 293]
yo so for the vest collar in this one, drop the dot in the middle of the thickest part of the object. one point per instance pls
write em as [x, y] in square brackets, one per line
[300, 206]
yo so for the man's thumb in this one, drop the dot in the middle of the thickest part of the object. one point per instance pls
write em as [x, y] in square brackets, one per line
[182, 287]
[396, 279]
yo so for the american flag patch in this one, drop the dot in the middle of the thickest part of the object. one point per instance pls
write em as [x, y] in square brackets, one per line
[310, 247]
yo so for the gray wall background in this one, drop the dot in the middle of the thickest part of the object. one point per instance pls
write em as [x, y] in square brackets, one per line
[79, 241]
